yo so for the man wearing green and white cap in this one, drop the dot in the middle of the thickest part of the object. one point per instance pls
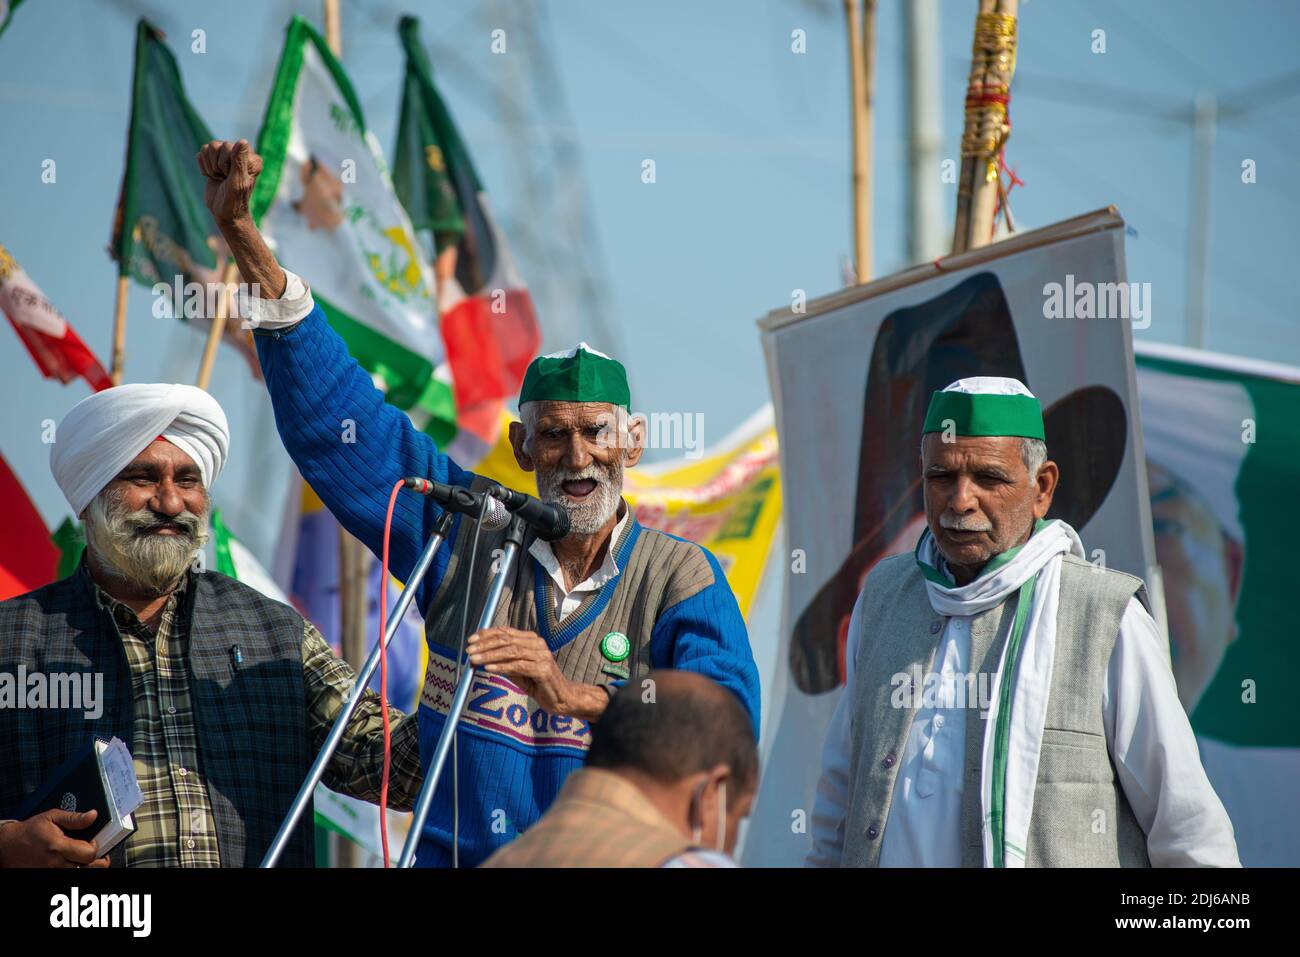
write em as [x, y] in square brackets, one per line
[579, 617]
[1007, 704]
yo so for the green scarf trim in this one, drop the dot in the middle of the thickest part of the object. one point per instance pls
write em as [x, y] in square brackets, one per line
[1015, 641]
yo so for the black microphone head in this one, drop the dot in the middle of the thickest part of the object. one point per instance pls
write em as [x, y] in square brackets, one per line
[558, 527]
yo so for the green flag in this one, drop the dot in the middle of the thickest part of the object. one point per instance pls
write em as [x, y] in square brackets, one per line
[70, 539]
[163, 231]
[7, 8]
[427, 146]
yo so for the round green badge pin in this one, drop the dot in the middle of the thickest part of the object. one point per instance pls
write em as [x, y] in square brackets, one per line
[615, 646]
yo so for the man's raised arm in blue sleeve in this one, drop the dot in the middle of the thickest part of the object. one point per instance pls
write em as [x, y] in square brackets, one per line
[348, 443]
[588, 612]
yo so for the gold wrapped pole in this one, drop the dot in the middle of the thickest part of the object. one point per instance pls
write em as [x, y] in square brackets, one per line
[988, 93]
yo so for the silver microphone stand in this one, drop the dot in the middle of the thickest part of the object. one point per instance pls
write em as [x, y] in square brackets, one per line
[513, 542]
[358, 689]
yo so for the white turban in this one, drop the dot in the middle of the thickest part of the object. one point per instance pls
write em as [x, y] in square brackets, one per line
[989, 385]
[103, 433]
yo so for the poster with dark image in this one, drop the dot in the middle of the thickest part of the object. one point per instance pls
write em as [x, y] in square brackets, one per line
[965, 331]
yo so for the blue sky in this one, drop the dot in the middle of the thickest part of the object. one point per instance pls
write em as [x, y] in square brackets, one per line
[751, 148]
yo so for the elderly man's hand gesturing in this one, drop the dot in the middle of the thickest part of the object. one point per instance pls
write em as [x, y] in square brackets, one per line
[524, 658]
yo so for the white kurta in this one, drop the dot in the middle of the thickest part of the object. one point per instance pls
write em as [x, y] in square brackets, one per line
[1147, 732]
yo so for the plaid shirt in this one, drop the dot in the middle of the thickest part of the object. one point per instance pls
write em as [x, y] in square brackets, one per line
[175, 826]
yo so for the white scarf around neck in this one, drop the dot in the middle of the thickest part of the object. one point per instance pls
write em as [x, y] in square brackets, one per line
[1040, 559]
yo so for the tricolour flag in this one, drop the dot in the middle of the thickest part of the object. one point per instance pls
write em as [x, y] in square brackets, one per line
[489, 327]
[325, 201]
[54, 345]
[1222, 442]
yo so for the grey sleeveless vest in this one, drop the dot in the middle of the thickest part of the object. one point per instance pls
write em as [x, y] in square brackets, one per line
[1080, 816]
[250, 718]
[656, 571]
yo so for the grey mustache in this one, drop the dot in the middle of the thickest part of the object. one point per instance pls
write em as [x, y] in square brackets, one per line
[187, 521]
[964, 524]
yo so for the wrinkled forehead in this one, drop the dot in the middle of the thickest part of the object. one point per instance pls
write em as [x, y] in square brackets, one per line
[970, 451]
[159, 458]
[555, 414]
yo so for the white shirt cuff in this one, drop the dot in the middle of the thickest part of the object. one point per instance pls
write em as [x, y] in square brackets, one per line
[293, 306]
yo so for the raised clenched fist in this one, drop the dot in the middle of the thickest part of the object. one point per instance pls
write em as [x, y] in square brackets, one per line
[232, 169]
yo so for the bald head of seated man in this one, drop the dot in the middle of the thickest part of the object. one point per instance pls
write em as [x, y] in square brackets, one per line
[672, 771]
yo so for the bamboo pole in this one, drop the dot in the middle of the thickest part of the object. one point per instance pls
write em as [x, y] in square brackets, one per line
[988, 90]
[119, 329]
[868, 135]
[354, 560]
[218, 327]
[860, 30]
[333, 27]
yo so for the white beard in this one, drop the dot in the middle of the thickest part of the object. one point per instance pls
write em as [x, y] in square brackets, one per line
[589, 516]
[152, 562]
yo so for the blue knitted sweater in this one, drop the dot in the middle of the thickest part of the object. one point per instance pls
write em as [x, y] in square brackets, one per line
[319, 394]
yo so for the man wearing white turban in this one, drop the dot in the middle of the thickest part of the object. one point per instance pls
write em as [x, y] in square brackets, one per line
[222, 695]
[106, 431]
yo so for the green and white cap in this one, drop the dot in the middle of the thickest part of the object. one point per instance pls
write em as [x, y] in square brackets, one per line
[579, 375]
[986, 405]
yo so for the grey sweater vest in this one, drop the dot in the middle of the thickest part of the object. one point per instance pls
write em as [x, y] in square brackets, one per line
[1080, 816]
[656, 571]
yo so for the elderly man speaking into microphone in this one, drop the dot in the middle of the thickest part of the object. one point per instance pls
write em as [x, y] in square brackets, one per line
[604, 604]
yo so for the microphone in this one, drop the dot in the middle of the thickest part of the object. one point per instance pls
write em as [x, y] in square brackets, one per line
[548, 521]
[454, 498]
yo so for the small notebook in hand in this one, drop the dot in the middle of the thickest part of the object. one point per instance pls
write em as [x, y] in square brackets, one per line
[101, 777]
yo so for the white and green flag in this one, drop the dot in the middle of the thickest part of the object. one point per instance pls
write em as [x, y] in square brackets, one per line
[325, 201]
[229, 556]
[1222, 440]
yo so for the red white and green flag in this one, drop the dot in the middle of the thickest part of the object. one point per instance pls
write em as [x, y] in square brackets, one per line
[489, 326]
[325, 202]
[54, 345]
